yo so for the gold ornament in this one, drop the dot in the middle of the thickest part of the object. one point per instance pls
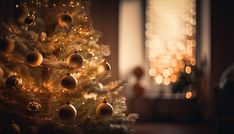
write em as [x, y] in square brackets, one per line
[65, 20]
[68, 82]
[75, 60]
[11, 82]
[34, 107]
[1, 72]
[67, 112]
[34, 59]
[104, 110]
[104, 67]
[7, 45]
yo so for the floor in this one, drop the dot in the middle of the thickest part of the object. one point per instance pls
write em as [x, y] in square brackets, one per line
[171, 128]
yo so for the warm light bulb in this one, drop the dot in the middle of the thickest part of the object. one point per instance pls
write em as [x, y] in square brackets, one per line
[166, 72]
[188, 69]
[159, 79]
[188, 95]
[152, 72]
[166, 81]
[173, 78]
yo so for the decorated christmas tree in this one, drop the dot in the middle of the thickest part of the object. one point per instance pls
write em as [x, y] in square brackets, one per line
[54, 73]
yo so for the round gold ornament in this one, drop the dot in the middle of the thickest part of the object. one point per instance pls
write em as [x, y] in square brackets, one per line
[67, 112]
[104, 110]
[65, 20]
[68, 82]
[75, 60]
[34, 59]
[7, 45]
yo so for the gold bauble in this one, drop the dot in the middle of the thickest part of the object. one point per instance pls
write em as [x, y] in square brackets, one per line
[104, 110]
[75, 60]
[67, 112]
[34, 59]
[65, 20]
[7, 45]
[68, 82]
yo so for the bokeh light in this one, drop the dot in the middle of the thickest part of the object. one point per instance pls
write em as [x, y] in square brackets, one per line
[170, 39]
[188, 95]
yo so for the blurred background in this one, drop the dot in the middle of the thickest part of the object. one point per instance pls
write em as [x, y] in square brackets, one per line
[177, 56]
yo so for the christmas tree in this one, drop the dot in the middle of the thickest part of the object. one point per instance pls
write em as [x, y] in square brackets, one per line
[54, 75]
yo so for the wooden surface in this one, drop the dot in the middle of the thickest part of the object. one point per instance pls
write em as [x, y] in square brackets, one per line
[180, 110]
[169, 128]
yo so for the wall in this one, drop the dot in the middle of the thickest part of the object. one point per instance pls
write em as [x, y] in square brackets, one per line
[6, 9]
[105, 18]
[222, 33]
[222, 37]
[131, 36]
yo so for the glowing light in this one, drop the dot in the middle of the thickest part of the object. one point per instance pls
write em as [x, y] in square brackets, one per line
[188, 69]
[101, 69]
[166, 72]
[159, 79]
[152, 72]
[170, 38]
[189, 95]
[90, 96]
[193, 62]
[166, 81]
[173, 78]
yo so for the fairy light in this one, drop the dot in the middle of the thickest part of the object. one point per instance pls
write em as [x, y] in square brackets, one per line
[159, 79]
[188, 69]
[166, 81]
[173, 78]
[188, 95]
[170, 39]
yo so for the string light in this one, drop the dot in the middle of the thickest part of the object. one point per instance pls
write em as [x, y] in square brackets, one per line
[188, 95]
[188, 69]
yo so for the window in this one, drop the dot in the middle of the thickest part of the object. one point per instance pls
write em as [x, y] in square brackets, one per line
[168, 51]
[171, 43]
